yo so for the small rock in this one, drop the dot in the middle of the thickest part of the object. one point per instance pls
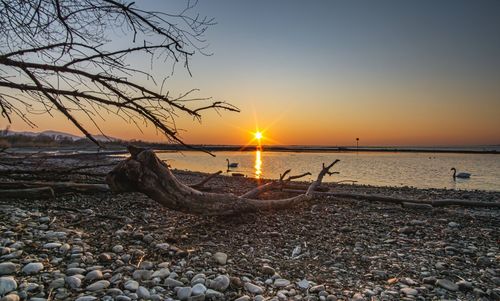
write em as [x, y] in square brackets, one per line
[281, 282]
[99, 285]
[447, 284]
[464, 285]
[409, 291]
[117, 249]
[243, 298]
[220, 283]
[32, 268]
[73, 282]
[142, 275]
[94, 275]
[303, 284]
[57, 283]
[51, 245]
[86, 298]
[453, 224]
[143, 293]
[11, 297]
[198, 289]
[161, 273]
[317, 289]
[105, 257]
[253, 289]
[7, 284]
[131, 285]
[220, 257]
[267, 270]
[183, 293]
[7, 268]
[169, 282]
[212, 294]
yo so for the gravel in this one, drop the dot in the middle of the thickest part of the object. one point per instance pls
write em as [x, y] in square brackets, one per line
[127, 247]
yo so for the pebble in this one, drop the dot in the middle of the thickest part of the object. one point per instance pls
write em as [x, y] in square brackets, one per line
[73, 282]
[409, 291]
[198, 289]
[86, 298]
[464, 285]
[317, 289]
[267, 270]
[94, 275]
[243, 298]
[447, 284]
[140, 275]
[51, 245]
[220, 283]
[143, 293]
[220, 258]
[253, 289]
[169, 282]
[131, 285]
[117, 249]
[11, 297]
[7, 284]
[303, 284]
[99, 285]
[281, 282]
[7, 268]
[32, 268]
[183, 293]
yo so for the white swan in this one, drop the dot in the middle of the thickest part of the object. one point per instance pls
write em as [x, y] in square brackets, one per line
[231, 165]
[462, 175]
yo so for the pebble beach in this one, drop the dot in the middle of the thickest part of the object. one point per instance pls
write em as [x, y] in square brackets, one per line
[104, 246]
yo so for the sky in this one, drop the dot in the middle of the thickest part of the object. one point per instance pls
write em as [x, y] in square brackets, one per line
[327, 72]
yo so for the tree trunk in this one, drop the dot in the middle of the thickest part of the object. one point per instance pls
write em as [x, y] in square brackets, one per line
[145, 173]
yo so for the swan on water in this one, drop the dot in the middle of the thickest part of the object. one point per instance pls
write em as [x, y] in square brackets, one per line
[461, 175]
[231, 165]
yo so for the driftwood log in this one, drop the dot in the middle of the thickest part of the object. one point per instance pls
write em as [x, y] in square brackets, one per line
[145, 173]
[58, 187]
[28, 193]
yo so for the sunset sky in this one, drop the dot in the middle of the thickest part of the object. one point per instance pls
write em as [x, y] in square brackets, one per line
[326, 72]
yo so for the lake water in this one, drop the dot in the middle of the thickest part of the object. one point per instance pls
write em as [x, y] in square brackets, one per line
[422, 170]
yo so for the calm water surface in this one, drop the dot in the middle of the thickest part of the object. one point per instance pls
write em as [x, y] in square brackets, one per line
[422, 170]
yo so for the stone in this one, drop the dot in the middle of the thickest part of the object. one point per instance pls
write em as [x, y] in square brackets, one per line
[117, 249]
[86, 298]
[143, 293]
[317, 288]
[52, 245]
[281, 282]
[8, 268]
[163, 246]
[57, 283]
[198, 289]
[253, 289]
[11, 297]
[74, 271]
[32, 268]
[183, 293]
[105, 257]
[73, 282]
[213, 294]
[357, 297]
[453, 225]
[447, 284]
[7, 284]
[94, 275]
[140, 275]
[267, 270]
[220, 283]
[169, 282]
[131, 285]
[409, 291]
[303, 284]
[464, 285]
[243, 298]
[161, 273]
[220, 258]
[99, 285]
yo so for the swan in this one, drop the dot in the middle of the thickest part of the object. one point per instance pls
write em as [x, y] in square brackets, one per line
[462, 175]
[231, 165]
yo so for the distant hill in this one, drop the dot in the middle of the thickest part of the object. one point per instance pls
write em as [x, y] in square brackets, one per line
[56, 135]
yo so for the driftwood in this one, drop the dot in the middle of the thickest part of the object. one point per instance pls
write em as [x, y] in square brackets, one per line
[28, 193]
[57, 186]
[145, 173]
[403, 201]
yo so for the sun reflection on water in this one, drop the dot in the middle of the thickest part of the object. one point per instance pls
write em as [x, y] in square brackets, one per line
[258, 164]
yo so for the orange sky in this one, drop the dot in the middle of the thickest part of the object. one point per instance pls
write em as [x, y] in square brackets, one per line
[386, 72]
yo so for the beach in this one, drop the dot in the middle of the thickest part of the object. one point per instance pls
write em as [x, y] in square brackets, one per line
[103, 246]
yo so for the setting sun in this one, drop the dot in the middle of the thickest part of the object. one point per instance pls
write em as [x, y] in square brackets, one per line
[258, 135]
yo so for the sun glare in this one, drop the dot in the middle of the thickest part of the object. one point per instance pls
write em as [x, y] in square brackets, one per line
[258, 135]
